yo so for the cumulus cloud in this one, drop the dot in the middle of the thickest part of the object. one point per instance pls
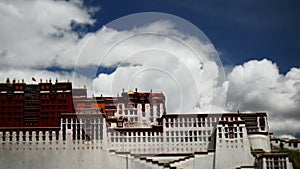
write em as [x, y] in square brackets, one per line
[39, 33]
[258, 86]
[285, 136]
[156, 57]
[35, 35]
[44, 75]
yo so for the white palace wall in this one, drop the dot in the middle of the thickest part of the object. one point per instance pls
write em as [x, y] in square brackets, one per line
[232, 146]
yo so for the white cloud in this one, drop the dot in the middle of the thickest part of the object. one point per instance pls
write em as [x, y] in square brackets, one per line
[37, 33]
[258, 86]
[285, 136]
[162, 61]
[27, 74]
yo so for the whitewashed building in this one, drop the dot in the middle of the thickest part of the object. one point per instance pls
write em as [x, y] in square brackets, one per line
[136, 132]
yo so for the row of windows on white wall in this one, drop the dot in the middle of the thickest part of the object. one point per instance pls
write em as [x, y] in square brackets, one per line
[204, 133]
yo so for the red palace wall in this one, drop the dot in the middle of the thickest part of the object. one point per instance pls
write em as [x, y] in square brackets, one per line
[24, 106]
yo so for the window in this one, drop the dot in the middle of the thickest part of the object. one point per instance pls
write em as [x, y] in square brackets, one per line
[175, 124]
[295, 145]
[167, 124]
[120, 124]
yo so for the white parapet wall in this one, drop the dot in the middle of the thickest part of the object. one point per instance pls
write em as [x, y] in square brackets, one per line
[232, 146]
[60, 154]
[260, 141]
[292, 144]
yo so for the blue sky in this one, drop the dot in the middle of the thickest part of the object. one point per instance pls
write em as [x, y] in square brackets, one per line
[239, 30]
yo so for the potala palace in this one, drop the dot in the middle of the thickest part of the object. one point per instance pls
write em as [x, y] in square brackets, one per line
[52, 125]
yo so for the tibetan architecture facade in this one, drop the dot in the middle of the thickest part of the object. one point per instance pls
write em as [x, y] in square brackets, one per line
[59, 126]
[26, 106]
